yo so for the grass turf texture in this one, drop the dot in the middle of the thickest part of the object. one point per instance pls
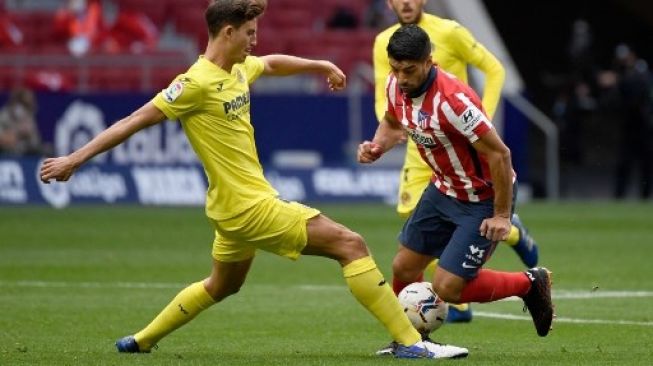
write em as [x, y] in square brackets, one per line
[73, 281]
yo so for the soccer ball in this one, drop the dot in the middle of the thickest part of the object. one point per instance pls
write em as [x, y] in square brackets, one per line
[425, 309]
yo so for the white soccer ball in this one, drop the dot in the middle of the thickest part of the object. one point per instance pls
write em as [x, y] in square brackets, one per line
[423, 307]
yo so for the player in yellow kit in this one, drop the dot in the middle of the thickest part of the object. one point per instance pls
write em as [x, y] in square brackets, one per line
[212, 102]
[454, 49]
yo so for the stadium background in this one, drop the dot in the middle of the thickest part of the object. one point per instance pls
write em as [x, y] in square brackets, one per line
[99, 87]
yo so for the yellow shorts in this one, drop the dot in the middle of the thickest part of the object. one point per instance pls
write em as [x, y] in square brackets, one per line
[415, 176]
[413, 181]
[272, 225]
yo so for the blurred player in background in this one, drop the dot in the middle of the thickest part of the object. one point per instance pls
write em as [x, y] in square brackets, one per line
[212, 101]
[19, 134]
[461, 216]
[455, 49]
[80, 24]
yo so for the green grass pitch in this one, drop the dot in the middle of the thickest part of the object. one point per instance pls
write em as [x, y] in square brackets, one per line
[73, 281]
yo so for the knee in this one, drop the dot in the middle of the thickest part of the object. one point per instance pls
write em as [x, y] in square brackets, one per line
[221, 291]
[447, 290]
[353, 245]
[405, 271]
[356, 243]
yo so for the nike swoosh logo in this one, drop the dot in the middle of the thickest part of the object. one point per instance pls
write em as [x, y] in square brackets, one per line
[465, 265]
[382, 282]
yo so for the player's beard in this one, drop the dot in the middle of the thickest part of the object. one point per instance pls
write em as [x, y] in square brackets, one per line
[416, 21]
[408, 90]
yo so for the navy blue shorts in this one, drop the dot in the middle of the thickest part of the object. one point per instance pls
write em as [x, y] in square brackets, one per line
[447, 228]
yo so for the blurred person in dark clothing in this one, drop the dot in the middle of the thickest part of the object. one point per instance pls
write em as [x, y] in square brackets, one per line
[573, 108]
[343, 18]
[575, 104]
[581, 52]
[19, 134]
[633, 83]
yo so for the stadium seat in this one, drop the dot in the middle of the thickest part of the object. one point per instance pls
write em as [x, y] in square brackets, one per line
[156, 10]
[15, 50]
[51, 49]
[9, 78]
[292, 18]
[114, 79]
[53, 79]
[288, 26]
[190, 21]
[270, 42]
[161, 77]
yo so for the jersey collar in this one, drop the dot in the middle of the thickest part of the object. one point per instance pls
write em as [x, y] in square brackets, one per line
[211, 65]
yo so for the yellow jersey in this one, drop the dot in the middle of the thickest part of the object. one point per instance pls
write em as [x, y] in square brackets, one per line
[213, 106]
[454, 48]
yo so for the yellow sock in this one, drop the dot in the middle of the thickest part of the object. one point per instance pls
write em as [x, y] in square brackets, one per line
[370, 289]
[513, 237]
[430, 270]
[185, 306]
[461, 307]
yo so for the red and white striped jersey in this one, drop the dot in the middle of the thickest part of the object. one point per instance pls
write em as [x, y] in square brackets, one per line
[444, 122]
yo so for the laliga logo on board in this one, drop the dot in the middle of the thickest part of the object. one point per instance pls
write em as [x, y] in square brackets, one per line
[89, 183]
[79, 124]
[12, 183]
[164, 143]
[289, 188]
[55, 193]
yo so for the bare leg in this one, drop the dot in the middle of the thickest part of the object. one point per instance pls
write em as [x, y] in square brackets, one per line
[448, 285]
[329, 239]
[407, 264]
[226, 279]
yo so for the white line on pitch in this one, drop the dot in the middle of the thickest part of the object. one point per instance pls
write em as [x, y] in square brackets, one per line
[62, 284]
[587, 294]
[562, 294]
[485, 314]
[145, 285]
[557, 295]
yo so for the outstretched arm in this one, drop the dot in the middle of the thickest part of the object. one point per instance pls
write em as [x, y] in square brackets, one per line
[281, 65]
[388, 134]
[62, 168]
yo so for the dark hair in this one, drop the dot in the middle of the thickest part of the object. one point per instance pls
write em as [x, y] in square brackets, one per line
[231, 12]
[409, 42]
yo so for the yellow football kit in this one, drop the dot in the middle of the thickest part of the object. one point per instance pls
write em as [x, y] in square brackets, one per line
[454, 49]
[213, 106]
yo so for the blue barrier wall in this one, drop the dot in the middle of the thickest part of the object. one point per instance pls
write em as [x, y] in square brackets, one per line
[157, 165]
[184, 184]
[281, 122]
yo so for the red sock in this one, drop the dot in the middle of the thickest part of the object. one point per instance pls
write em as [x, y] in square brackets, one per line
[398, 285]
[493, 285]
